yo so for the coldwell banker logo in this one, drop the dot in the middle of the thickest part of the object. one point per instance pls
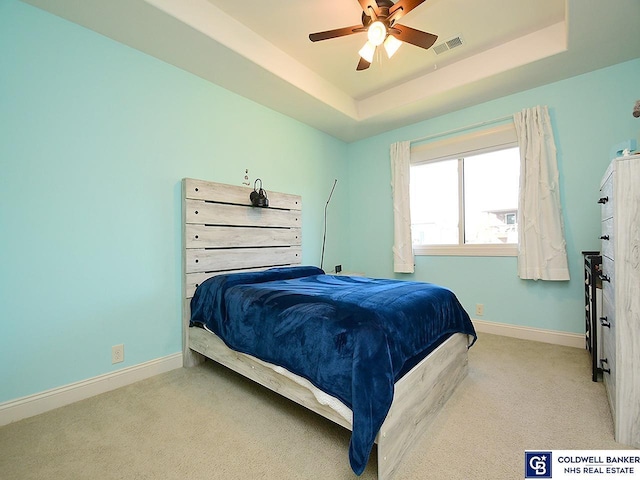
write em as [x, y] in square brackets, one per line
[537, 465]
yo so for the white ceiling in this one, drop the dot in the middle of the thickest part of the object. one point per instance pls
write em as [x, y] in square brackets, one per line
[261, 50]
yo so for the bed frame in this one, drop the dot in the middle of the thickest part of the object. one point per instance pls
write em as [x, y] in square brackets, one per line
[223, 233]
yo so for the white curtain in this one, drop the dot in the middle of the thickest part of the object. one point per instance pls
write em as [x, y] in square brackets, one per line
[400, 169]
[542, 253]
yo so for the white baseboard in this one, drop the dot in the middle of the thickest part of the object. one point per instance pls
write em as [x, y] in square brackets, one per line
[529, 333]
[25, 407]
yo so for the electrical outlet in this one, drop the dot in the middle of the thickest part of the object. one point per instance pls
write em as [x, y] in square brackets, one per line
[479, 309]
[338, 268]
[117, 353]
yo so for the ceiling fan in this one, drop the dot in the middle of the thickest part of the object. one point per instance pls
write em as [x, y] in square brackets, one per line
[379, 19]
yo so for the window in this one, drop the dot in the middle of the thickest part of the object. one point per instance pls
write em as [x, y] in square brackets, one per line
[464, 195]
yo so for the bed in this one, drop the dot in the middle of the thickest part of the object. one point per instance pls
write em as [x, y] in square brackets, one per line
[234, 252]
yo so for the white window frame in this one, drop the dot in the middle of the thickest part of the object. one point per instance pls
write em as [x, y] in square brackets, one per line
[482, 141]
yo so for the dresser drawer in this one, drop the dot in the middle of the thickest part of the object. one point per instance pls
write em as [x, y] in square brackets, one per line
[608, 317]
[608, 276]
[608, 363]
[606, 198]
[607, 238]
[608, 336]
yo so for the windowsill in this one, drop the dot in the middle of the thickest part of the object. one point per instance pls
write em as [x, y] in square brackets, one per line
[510, 250]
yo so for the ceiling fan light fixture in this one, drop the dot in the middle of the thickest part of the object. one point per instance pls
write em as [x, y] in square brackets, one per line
[391, 45]
[367, 51]
[379, 19]
[377, 33]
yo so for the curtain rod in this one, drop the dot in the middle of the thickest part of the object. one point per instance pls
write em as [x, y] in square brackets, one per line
[462, 129]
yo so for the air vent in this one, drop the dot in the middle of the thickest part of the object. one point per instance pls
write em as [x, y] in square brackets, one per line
[448, 45]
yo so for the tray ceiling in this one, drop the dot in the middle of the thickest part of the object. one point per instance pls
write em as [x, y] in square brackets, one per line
[261, 51]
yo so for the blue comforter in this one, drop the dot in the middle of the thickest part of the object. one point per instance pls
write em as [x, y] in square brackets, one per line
[352, 337]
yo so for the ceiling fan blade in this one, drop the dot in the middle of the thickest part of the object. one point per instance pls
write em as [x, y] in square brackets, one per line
[362, 64]
[365, 4]
[414, 37]
[338, 32]
[402, 7]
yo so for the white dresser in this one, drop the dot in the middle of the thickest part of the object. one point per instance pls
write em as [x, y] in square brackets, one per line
[620, 355]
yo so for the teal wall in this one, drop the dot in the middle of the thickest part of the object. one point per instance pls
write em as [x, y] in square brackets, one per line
[95, 138]
[590, 113]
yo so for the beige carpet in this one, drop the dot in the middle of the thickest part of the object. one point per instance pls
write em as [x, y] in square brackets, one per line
[209, 423]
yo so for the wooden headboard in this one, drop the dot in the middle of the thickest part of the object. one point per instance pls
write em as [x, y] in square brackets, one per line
[224, 233]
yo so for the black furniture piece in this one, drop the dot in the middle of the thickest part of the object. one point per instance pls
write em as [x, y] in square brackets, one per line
[592, 282]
